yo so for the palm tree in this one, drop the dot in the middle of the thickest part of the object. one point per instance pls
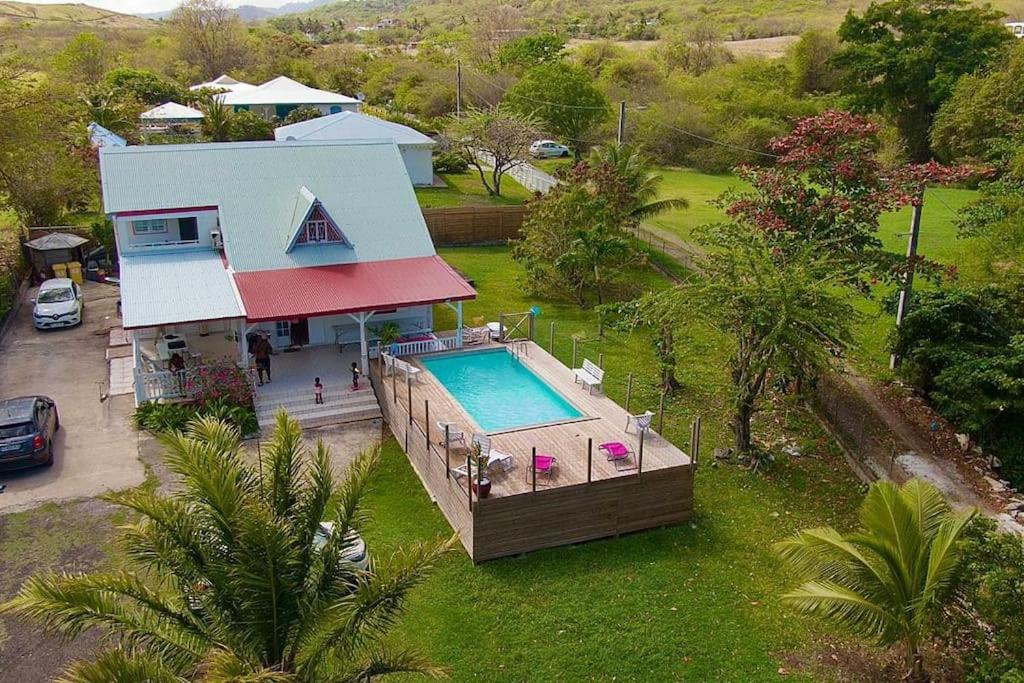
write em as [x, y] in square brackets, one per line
[216, 116]
[885, 581]
[231, 580]
[635, 168]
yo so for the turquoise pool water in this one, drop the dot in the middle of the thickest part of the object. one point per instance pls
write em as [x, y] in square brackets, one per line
[498, 391]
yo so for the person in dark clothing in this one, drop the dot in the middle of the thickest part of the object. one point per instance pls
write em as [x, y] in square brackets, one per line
[355, 376]
[262, 350]
[318, 390]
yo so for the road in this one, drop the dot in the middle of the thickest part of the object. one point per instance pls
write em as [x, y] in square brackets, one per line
[96, 449]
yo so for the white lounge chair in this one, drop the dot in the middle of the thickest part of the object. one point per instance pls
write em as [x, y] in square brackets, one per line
[398, 365]
[455, 435]
[471, 336]
[590, 375]
[494, 457]
[641, 422]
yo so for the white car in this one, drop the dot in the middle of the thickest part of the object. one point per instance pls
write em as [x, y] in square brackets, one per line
[545, 149]
[355, 548]
[58, 304]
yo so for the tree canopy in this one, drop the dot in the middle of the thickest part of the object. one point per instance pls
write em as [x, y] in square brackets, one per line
[563, 97]
[904, 57]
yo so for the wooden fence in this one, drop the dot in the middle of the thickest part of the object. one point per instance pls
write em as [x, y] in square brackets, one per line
[463, 226]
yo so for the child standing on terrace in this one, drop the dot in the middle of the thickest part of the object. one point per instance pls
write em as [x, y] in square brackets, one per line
[318, 390]
[355, 376]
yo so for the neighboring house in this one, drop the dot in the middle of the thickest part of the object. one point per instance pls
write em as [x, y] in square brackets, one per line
[170, 114]
[278, 97]
[224, 83]
[306, 242]
[415, 147]
[101, 137]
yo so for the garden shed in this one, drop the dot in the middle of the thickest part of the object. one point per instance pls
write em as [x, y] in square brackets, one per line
[56, 247]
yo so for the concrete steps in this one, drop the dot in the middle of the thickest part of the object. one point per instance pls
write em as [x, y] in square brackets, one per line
[338, 407]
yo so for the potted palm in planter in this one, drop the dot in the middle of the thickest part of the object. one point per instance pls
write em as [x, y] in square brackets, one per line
[388, 333]
[481, 483]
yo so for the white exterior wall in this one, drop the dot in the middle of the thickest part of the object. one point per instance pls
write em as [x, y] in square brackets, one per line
[128, 242]
[419, 163]
[321, 330]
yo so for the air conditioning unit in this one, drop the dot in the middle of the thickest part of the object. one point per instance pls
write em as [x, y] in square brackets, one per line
[218, 241]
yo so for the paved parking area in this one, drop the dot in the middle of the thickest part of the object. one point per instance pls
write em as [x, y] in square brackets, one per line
[96, 448]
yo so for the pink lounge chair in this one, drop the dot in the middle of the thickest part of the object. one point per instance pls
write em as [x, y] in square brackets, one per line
[618, 453]
[544, 464]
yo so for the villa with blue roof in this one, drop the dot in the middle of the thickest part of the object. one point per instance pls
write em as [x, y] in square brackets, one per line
[312, 244]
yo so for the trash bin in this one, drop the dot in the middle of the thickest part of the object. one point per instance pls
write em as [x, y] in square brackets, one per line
[75, 271]
[60, 270]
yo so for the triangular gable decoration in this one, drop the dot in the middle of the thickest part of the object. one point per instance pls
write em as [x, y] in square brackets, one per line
[315, 225]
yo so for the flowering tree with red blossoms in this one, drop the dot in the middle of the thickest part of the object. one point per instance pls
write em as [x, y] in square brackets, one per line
[828, 189]
[777, 277]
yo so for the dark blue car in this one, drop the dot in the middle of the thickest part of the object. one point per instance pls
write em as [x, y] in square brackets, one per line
[27, 427]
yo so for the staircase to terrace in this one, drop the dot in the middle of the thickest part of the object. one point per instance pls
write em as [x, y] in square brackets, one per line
[292, 390]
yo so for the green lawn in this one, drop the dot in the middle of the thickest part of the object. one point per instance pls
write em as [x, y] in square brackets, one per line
[465, 189]
[694, 602]
[938, 242]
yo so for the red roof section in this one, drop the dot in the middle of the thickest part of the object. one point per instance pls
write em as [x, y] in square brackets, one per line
[349, 288]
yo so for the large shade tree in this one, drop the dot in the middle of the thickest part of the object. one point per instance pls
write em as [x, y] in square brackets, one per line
[887, 580]
[563, 97]
[903, 57]
[803, 236]
[494, 142]
[229, 580]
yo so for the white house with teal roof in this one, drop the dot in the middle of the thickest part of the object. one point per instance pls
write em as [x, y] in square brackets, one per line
[416, 148]
[280, 96]
[313, 244]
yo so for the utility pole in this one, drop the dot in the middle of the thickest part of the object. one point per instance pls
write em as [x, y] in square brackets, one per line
[621, 137]
[908, 279]
[458, 89]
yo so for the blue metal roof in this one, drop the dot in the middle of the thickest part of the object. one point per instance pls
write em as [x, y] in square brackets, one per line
[176, 287]
[362, 185]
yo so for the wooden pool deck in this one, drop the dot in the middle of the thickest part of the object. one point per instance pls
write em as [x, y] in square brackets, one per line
[587, 497]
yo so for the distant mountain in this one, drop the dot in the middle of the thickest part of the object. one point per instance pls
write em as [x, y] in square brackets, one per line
[255, 13]
[15, 13]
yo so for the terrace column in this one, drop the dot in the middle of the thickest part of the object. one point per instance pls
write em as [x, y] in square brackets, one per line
[364, 348]
[137, 368]
[243, 347]
[458, 330]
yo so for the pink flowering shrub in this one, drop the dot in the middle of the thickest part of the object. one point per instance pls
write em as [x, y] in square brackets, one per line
[219, 381]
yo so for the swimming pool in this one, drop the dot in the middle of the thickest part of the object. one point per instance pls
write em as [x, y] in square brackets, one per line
[498, 391]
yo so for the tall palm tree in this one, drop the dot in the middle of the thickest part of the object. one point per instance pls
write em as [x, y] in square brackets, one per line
[634, 167]
[230, 580]
[885, 581]
[216, 116]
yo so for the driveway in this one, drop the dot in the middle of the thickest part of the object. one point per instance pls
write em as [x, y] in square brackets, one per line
[96, 449]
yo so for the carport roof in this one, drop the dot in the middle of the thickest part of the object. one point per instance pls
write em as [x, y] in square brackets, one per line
[176, 287]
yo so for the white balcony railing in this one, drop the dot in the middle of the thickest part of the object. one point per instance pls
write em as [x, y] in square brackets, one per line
[421, 346]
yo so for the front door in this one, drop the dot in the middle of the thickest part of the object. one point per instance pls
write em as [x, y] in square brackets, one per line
[188, 229]
[300, 333]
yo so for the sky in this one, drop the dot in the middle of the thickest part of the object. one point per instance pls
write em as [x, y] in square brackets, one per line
[137, 6]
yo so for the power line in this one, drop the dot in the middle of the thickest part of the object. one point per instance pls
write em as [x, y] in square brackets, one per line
[539, 101]
[691, 134]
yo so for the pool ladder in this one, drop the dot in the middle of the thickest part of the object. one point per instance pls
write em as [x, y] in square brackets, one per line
[518, 348]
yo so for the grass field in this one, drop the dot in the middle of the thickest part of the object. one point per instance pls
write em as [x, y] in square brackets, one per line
[465, 189]
[692, 602]
[938, 242]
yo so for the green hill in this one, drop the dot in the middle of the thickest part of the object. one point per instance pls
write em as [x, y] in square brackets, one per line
[618, 19]
[28, 15]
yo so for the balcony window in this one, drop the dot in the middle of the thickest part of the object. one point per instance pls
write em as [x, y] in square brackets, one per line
[149, 226]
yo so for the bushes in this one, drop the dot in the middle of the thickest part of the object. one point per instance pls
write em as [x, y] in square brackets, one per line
[161, 418]
[992, 587]
[218, 381]
[451, 162]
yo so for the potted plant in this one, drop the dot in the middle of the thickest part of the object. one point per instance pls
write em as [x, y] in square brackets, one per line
[388, 333]
[478, 468]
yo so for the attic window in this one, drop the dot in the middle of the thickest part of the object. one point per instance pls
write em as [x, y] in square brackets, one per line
[319, 229]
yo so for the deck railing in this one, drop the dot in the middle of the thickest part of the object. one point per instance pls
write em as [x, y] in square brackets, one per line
[160, 384]
[420, 346]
